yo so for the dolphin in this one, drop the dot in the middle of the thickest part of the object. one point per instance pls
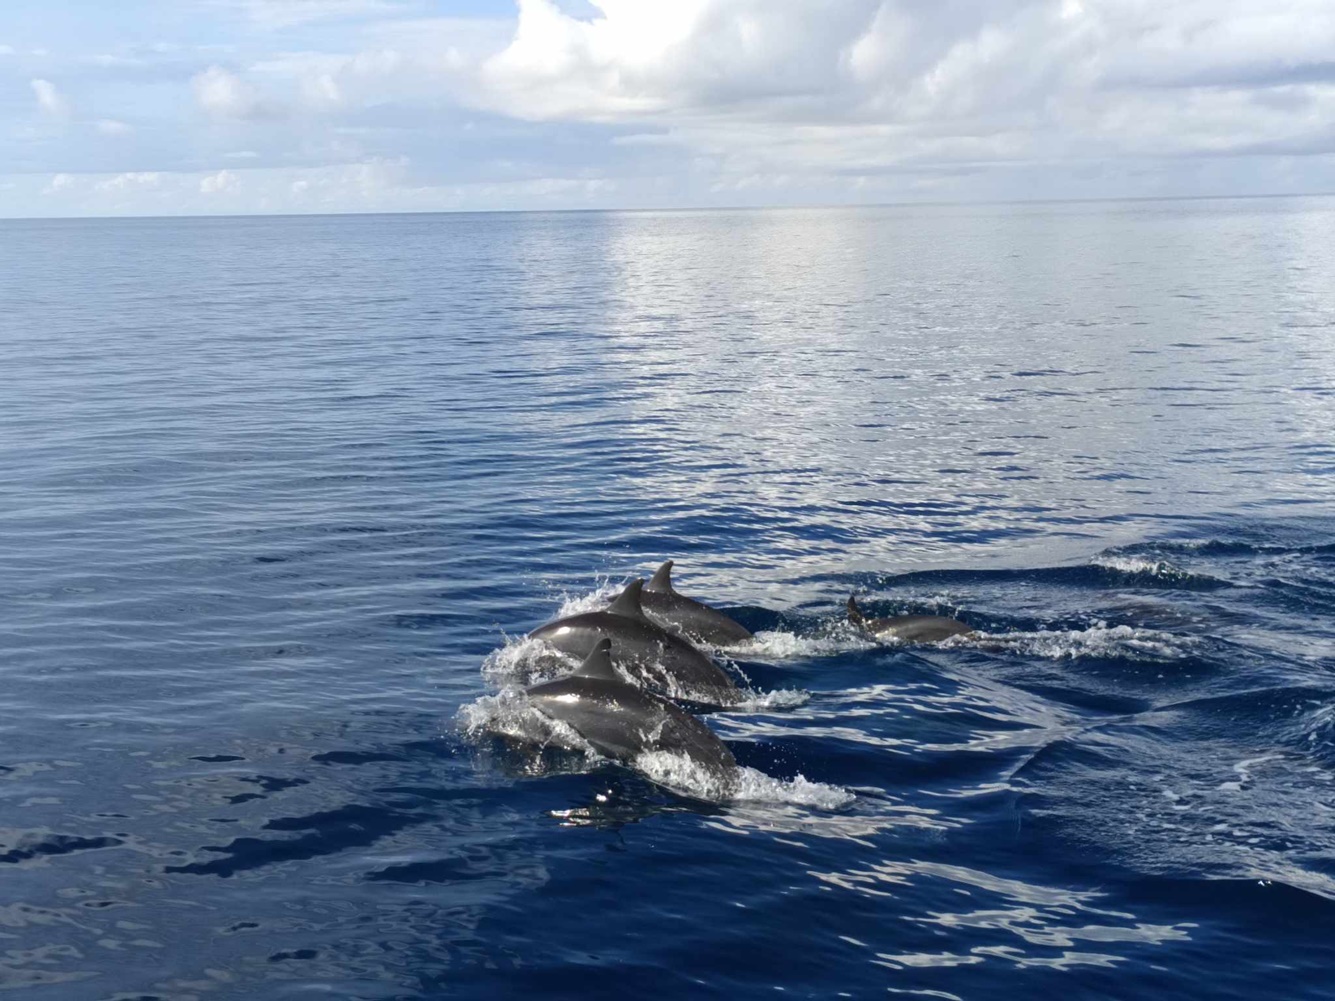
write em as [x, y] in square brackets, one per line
[621, 721]
[908, 628]
[685, 617]
[651, 657]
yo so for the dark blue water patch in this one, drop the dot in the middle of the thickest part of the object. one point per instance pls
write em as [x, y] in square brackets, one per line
[355, 757]
[327, 832]
[1090, 576]
[40, 845]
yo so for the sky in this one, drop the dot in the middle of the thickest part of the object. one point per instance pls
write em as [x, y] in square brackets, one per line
[163, 107]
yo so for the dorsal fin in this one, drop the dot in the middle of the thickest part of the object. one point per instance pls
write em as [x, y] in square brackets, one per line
[628, 602]
[662, 579]
[598, 664]
[854, 613]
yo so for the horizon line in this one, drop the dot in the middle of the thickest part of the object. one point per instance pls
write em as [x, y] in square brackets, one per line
[812, 206]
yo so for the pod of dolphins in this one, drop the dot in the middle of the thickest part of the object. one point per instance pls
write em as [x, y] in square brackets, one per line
[639, 655]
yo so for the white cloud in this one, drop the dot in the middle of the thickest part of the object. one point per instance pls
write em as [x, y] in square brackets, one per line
[662, 102]
[58, 183]
[51, 101]
[375, 185]
[7, 50]
[225, 95]
[223, 180]
[134, 179]
[770, 87]
[113, 127]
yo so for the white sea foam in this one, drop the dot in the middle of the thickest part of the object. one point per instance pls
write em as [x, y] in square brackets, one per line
[1099, 640]
[510, 714]
[596, 600]
[526, 661]
[757, 787]
[683, 775]
[1140, 566]
[776, 701]
[790, 646]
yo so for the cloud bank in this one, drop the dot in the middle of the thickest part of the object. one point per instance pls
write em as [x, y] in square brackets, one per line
[680, 102]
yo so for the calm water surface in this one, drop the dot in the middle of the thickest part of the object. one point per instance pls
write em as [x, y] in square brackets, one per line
[277, 496]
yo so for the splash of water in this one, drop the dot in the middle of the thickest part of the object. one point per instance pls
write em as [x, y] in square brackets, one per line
[596, 600]
[526, 661]
[510, 714]
[683, 775]
[1099, 640]
[777, 645]
[1138, 566]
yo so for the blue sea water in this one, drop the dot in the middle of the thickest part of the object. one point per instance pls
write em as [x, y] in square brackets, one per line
[280, 497]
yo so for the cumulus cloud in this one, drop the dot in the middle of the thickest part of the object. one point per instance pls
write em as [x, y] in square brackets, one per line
[874, 85]
[224, 95]
[223, 180]
[669, 102]
[49, 99]
[130, 180]
[58, 183]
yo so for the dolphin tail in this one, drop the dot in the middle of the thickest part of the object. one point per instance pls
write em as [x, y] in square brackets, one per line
[598, 664]
[854, 613]
[662, 579]
[628, 603]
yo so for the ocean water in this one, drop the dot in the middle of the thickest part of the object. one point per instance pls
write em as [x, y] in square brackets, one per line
[279, 499]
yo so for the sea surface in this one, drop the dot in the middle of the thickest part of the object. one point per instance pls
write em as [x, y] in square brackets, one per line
[280, 497]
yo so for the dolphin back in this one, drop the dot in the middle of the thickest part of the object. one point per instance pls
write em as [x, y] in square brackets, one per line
[621, 722]
[855, 613]
[598, 664]
[627, 603]
[907, 628]
[650, 656]
[685, 617]
[661, 581]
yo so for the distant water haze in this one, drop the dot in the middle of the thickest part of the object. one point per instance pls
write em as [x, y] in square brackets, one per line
[279, 496]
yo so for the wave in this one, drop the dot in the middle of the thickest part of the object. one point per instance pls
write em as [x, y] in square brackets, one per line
[1099, 640]
[1110, 569]
[1314, 731]
[1222, 547]
[1138, 566]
